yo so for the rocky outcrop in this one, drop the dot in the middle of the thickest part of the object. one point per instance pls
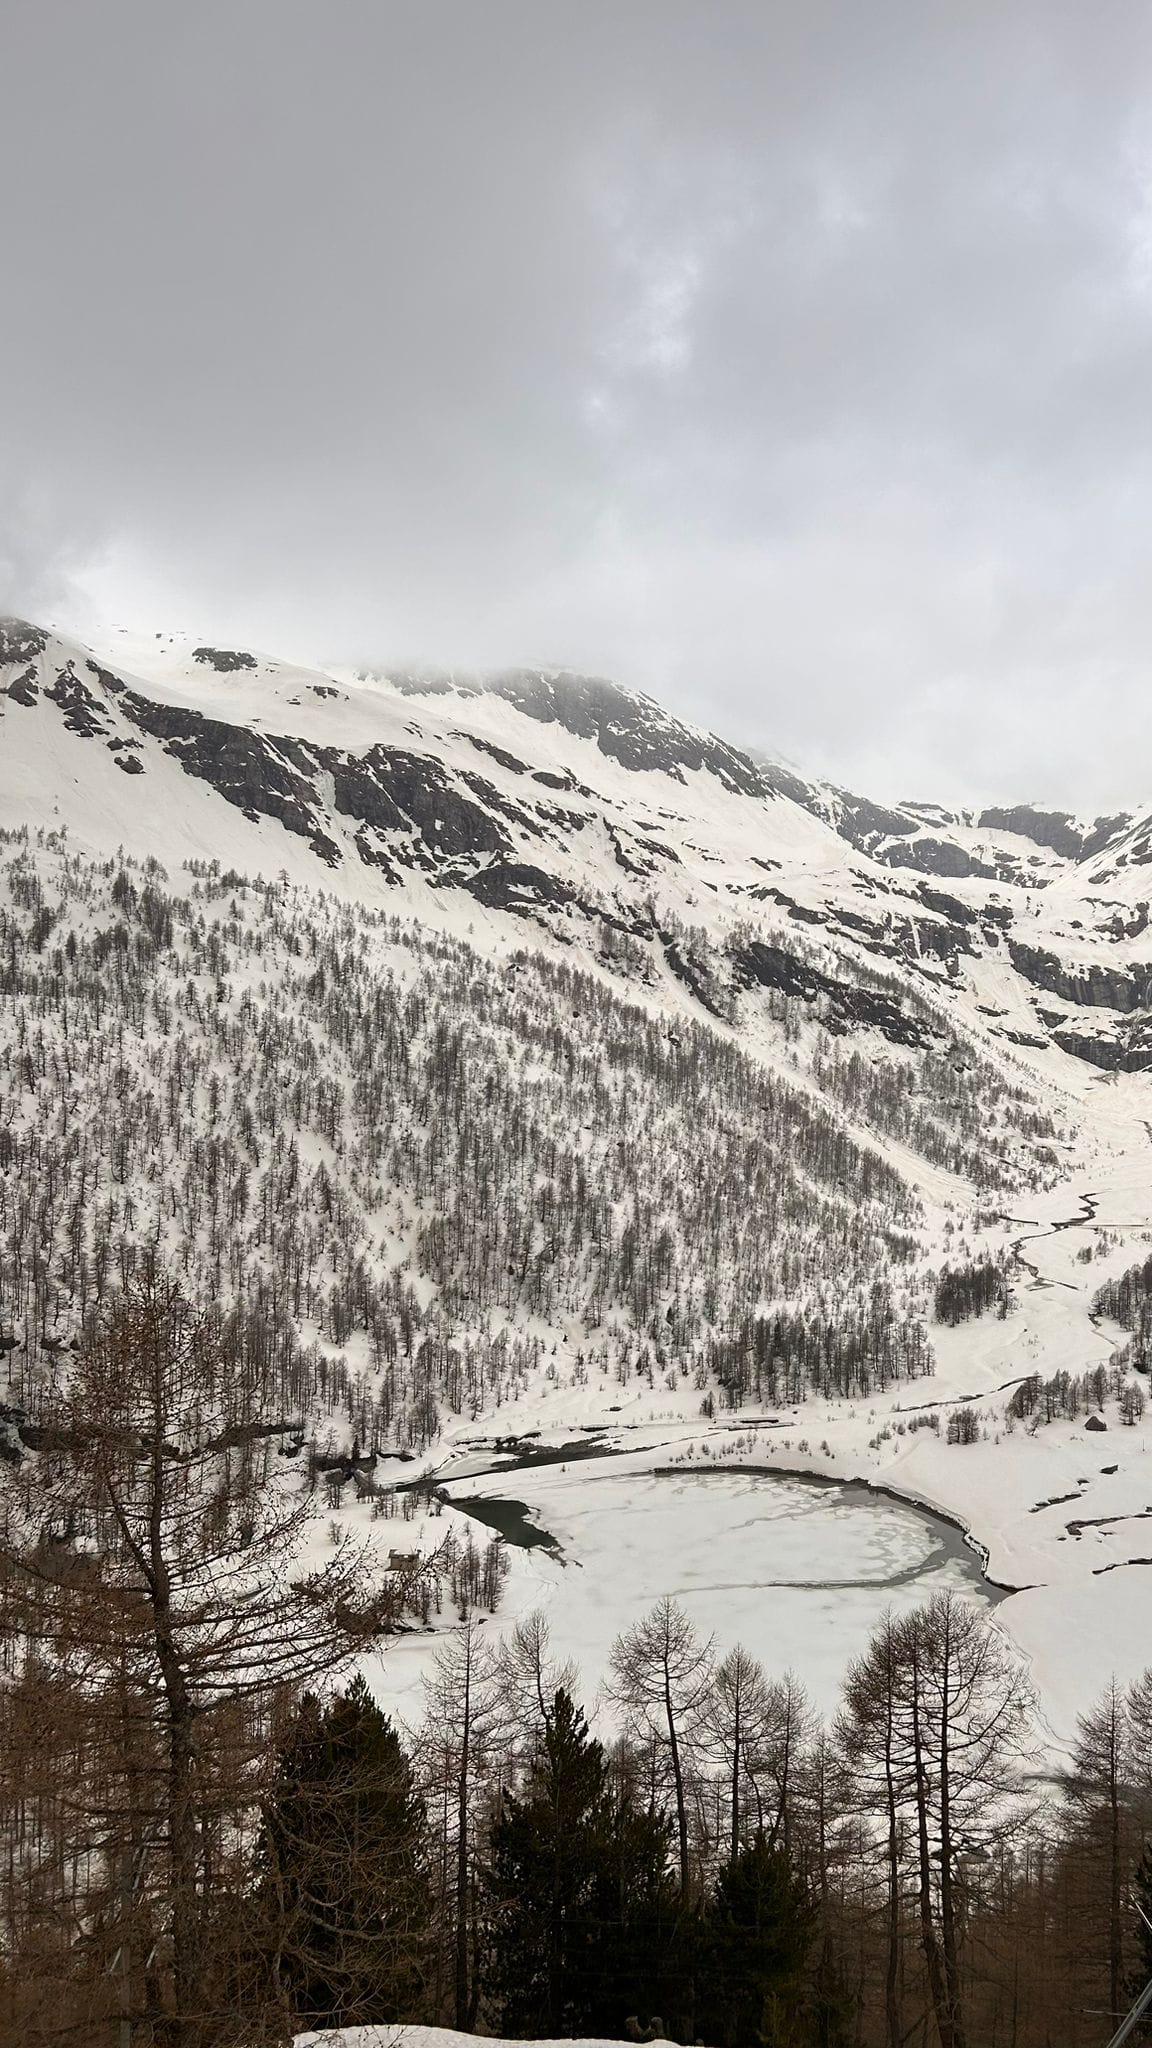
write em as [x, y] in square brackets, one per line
[414, 794]
[1128, 1050]
[251, 770]
[20, 642]
[931, 856]
[1057, 830]
[84, 714]
[765, 966]
[225, 660]
[629, 729]
[513, 885]
[1113, 988]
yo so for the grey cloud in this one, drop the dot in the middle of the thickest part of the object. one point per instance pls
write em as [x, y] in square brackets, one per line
[789, 361]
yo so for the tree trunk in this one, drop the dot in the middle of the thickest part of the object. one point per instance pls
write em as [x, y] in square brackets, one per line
[734, 1840]
[947, 1892]
[936, 1982]
[462, 1859]
[181, 1829]
[1115, 1874]
[181, 1805]
[892, 1968]
[678, 1782]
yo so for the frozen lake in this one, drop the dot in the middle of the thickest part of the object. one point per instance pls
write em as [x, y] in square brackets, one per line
[798, 1571]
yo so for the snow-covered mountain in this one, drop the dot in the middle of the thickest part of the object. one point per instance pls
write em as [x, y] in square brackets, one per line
[527, 1060]
[571, 812]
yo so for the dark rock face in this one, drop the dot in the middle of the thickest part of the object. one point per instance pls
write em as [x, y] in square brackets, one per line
[764, 966]
[946, 906]
[1124, 1048]
[1128, 1051]
[511, 885]
[526, 820]
[1114, 988]
[83, 712]
[628, 729]
[225, 660]
[863, 822]
[897, 837]
[24, 690]
[944, 941]
[246, 768]
[1057, 830]
[506, 760]
[1130, 927]
[935, 857]
[999, 914]
[640, 858]
[862, 927]
[20, 642]
[393, 791]
[686, 970]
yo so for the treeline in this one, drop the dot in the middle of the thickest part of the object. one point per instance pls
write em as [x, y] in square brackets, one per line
[1067, 1395]
[964, 1291]
[212, 1836]
[1128, 1301]
[406, 1159]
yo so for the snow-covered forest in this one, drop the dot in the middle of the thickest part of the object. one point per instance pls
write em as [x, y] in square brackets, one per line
[431, 1174]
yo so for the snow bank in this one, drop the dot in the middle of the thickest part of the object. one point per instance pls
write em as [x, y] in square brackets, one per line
[425, 2037]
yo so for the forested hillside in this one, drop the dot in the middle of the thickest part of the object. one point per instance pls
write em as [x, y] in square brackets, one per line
[435, 1174]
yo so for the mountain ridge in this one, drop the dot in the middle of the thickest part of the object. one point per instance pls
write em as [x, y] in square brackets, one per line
[567, 802]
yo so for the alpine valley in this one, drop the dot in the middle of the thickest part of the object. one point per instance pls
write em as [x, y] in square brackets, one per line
[574, 1095]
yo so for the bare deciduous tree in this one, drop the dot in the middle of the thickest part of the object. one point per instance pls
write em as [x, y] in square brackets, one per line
[937, 1711]
[462, 1737]
[153, 1557]
[661, 1676]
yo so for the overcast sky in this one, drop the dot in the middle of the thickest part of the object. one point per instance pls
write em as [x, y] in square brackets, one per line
[791, 361]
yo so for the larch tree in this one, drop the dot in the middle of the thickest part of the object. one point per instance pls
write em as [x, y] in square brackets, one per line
[661, 1676]
[463, 1738]
[754, 1733]
[938, 1710]
[154, 1557]
[877, 1772]
[1099, 1791]
[531, 1678]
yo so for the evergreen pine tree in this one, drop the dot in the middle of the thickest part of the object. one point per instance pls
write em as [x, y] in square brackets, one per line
[346, 1902]
[757, 1942]
[580, 1904]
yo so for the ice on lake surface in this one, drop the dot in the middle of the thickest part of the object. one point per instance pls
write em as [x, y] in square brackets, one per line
[798, 1573]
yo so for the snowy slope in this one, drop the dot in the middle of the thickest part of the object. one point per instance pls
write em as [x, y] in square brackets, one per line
[564, 802]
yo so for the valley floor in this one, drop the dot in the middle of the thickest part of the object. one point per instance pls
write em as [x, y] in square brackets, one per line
[645, 1497]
